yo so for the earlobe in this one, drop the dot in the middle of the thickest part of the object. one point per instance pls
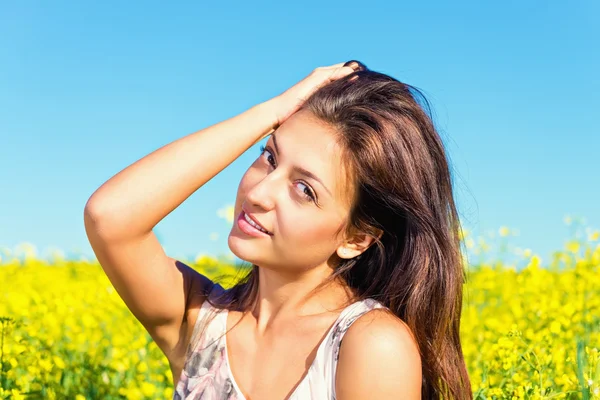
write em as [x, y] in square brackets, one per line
[346, 253]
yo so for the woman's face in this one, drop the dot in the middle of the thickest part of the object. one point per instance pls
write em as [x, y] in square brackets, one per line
[302, 213]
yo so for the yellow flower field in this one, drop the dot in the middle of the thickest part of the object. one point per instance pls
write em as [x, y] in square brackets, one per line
[530, 330]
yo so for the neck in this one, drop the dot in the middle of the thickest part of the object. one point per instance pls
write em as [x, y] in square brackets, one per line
[285, 297]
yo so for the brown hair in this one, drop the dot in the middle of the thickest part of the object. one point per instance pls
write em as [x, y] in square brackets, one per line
[402, 185]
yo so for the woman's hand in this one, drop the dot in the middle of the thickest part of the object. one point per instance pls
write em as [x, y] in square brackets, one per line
[292, 99]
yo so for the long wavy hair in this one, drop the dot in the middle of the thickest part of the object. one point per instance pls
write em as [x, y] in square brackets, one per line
[399, 172]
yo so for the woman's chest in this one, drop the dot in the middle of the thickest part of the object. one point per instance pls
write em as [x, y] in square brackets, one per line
[278, 365]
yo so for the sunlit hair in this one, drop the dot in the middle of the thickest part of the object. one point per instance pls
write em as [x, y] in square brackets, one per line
[399, 180]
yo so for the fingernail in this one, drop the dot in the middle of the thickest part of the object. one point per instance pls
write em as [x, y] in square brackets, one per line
[352, 64]
[355, 65]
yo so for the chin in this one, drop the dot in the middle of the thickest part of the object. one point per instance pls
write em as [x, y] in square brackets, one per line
[242, 248]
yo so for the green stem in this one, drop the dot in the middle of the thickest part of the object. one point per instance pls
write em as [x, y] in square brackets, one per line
[2, 358]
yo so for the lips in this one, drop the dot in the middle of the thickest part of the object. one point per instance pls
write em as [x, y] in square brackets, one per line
[256, 222]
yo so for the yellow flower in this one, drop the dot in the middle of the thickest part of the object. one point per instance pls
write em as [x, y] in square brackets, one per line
[555, 327]
[148, 389]
[16, 395]
[573, 246]
[58, 362]
[142, 367]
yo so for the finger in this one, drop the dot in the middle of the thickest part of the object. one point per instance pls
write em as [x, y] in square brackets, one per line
[340, 73]
[334, 66]
[325, 75]
[353, 63]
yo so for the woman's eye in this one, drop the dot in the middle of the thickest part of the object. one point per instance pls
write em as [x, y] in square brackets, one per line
[308, 193]
[262, 151]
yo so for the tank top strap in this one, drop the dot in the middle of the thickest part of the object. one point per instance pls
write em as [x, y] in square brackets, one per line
[204, 353]
[334, 341]
[207, 326]
[348, 317]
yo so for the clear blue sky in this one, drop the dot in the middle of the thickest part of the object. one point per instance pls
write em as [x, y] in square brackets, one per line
[88, 88]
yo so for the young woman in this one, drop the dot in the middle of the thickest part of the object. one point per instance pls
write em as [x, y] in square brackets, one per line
[348, 220]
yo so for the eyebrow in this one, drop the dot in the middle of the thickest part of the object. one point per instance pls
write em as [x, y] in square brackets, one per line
[300, 169]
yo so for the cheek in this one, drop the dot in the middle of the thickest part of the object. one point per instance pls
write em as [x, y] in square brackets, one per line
[306, 239]
[306, 227]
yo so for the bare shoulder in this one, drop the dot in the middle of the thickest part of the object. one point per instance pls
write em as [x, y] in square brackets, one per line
[173, 338]
[379, 358]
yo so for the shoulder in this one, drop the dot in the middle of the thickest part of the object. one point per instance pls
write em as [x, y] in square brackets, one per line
[379, 358]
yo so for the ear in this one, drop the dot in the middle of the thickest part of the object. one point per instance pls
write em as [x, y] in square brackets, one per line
[357, 245]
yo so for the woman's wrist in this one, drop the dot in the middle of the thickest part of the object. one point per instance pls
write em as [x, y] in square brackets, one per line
[267, 111]
[271, 109]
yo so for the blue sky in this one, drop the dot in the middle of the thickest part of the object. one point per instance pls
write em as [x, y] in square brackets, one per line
[89, 88]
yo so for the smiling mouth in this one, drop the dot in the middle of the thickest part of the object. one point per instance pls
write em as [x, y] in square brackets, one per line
[248, 226]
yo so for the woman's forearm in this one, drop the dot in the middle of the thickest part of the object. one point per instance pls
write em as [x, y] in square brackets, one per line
[135, 200]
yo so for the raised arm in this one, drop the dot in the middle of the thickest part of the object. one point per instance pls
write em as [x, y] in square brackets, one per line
[120, 215]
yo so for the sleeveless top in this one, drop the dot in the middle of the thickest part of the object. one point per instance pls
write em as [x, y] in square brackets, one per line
[206, 374]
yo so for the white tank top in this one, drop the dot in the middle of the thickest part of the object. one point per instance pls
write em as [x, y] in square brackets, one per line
[206, 374]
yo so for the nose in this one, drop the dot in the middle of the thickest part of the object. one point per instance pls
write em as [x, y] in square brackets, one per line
[262, 193]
